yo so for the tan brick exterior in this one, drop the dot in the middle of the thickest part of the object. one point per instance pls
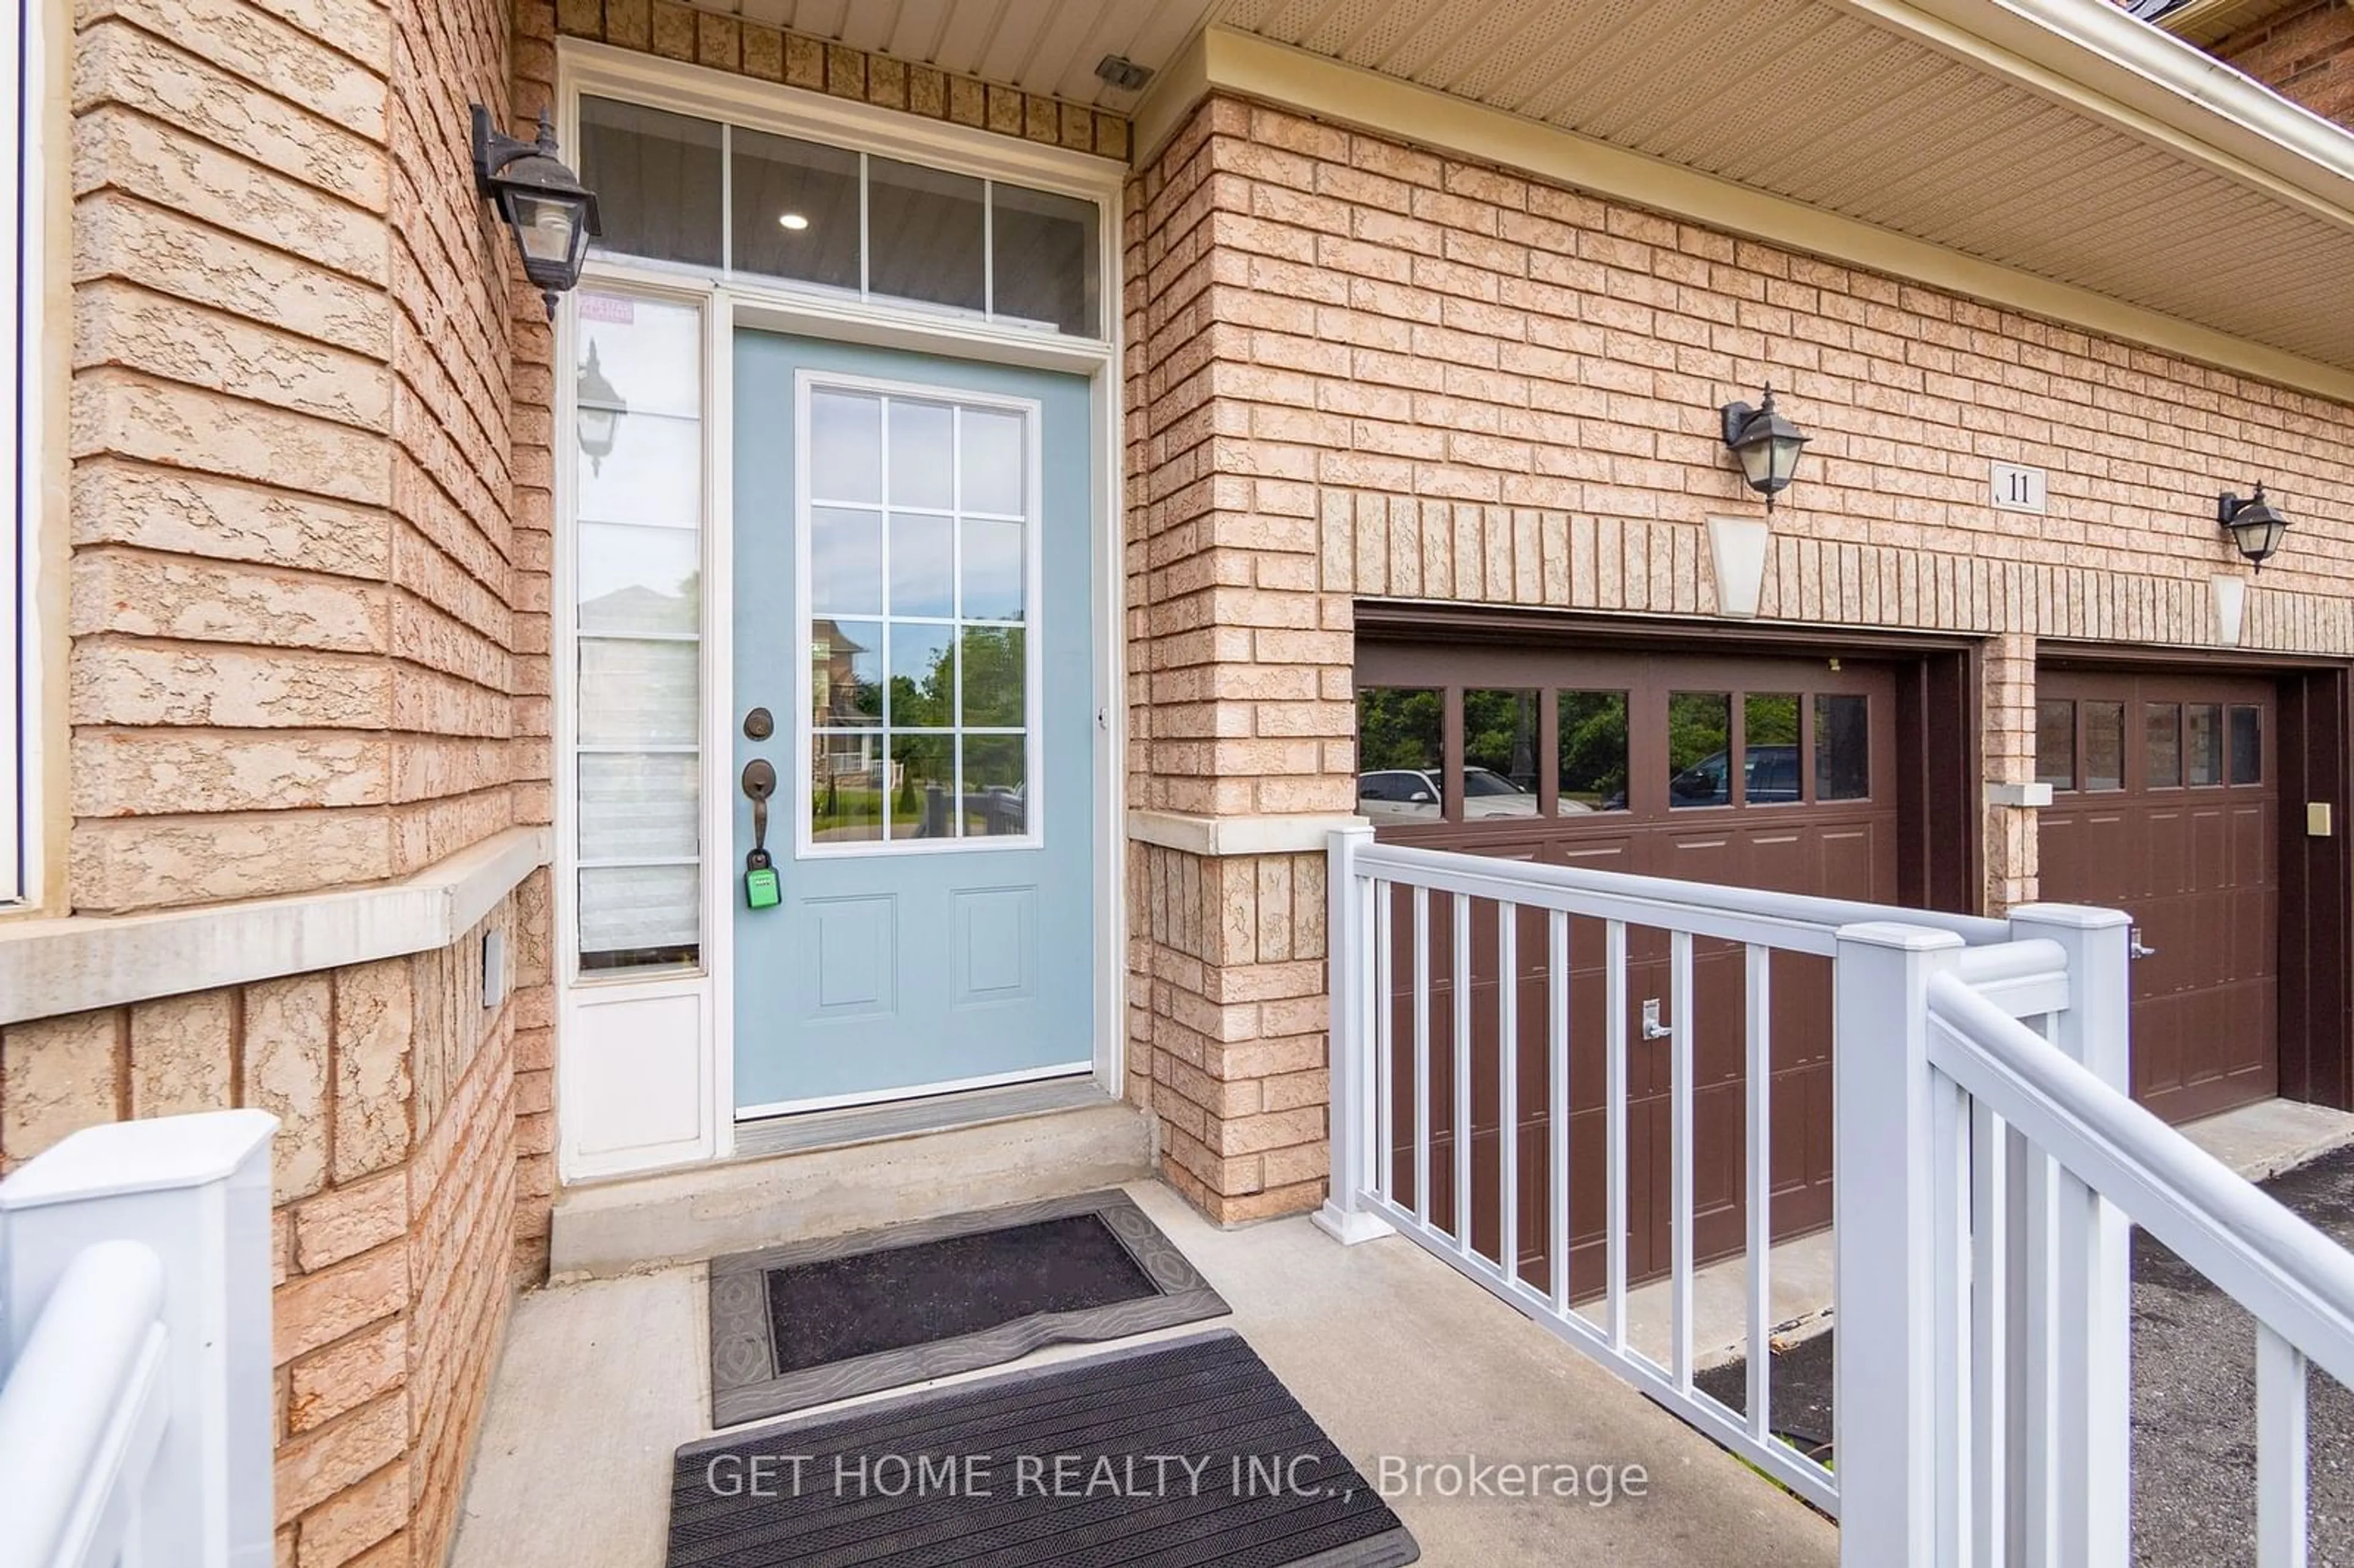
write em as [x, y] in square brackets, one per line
[394, 1189]
[757, 50]
[2307, 54]
[1357, 368]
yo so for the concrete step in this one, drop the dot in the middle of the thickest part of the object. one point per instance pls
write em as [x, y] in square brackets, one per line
[850, 1171]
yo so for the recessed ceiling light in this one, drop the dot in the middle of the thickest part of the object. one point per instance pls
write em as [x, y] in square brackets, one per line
[793, 221]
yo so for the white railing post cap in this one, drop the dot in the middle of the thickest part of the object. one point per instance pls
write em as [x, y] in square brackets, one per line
[2077, 916]
[156, 1154]
[1897, 935]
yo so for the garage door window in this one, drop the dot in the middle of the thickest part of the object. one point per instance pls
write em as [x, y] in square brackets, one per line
[1769, 736]
[2202, 725]
[1842, 748]
[2162, 745]
[1499, 753]
[2104, 745]
[2055, 744]
[1593, 750]
[1400, 752]
[1700, 758]
[2247, 746]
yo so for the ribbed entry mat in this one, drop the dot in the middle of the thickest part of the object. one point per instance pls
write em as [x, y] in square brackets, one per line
[1182, 1454]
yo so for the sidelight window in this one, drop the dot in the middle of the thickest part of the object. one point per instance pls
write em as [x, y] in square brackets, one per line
[637, 612]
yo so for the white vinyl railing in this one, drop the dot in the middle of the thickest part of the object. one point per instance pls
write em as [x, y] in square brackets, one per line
[135, 1340]
[1987, 1163]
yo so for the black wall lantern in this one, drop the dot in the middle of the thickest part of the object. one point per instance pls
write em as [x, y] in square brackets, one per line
[597, 410]
[2253, 524]
[1768, 445]
[550, 211]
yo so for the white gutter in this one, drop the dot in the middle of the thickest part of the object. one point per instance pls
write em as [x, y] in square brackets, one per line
[2092, 45]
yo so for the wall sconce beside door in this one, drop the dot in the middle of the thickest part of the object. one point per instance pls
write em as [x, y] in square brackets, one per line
[2254, 527]
[551, 214]
[1766, 444]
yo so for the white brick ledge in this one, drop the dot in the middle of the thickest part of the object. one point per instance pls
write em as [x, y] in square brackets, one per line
[1237, 835]
[71, 965]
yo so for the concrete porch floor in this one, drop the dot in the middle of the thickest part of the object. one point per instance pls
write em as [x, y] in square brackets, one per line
[1389, 1349]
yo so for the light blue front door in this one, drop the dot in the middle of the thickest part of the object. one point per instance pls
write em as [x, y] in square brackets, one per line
[913, 609]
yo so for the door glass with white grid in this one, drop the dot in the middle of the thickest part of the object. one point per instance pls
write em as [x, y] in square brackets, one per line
[912, 616]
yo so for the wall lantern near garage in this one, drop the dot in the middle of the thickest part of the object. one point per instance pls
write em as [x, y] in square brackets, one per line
[1768, 445]
[551, 212]
[2253, 524]
[596, 410]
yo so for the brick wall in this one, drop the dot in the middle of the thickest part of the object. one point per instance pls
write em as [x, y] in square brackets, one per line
[1360, 369]
[394, 1185]
[2307, 55]
[721, 42]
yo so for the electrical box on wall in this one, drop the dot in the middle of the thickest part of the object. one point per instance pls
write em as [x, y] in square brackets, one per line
[495, 967]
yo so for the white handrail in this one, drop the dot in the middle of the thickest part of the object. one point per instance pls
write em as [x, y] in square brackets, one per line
[2287, 1274]
[83, 1410]
[1803, 923]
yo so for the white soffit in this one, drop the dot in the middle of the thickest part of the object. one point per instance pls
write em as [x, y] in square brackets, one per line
[1039, 46]
[1895, 117]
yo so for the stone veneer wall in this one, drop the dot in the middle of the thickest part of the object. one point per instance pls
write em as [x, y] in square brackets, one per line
[2307, 55]
[1361, 368]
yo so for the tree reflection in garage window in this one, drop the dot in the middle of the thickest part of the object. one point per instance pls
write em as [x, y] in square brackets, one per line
[1700, 729]
[1593, 751]
[1842, 748]
[2202, 735]
[2105, 746]
[1500, 754]
[1400, 746]
[1770, 748]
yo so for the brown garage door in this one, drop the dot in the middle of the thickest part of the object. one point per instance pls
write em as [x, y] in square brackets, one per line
[2165, 804]
[1758, 773]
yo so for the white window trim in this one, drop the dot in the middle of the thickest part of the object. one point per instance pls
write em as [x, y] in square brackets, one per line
[805, 845]
[24, 65]
[734, 300]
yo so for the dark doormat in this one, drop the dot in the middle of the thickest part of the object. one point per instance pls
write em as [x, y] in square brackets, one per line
[1178, 1454]
[820, 1321]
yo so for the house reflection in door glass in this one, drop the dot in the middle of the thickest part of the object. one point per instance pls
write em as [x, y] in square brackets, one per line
[2162, 748]
[2055, 742]
[1399, 753]
[1700, 729]
[1842, 748]
[846, 795]
[2105, 746]
[1593, 742]
[1499, 755]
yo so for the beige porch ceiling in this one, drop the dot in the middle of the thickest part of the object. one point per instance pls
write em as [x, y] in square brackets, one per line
[1039, 46]
[1906, 120]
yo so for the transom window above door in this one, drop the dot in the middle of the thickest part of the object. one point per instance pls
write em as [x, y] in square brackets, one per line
[920, 560]
[676, 189]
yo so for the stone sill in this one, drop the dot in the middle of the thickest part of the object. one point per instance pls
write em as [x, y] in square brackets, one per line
[51, 967]
[1303, 835]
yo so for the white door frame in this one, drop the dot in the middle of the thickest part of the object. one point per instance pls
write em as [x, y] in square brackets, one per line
[729, 301]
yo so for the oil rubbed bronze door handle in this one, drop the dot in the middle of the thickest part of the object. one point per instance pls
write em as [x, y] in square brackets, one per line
[760, 890]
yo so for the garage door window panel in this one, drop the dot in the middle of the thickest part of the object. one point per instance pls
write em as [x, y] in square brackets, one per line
[2247, 746]
[2162, 745]
[2202, 725]
[1401, 752]
[2105, 746]
[1700, 756]
[1842, 748]
[1592, 751]
[2055, 744]
[1769, 749]
[1500, 753]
